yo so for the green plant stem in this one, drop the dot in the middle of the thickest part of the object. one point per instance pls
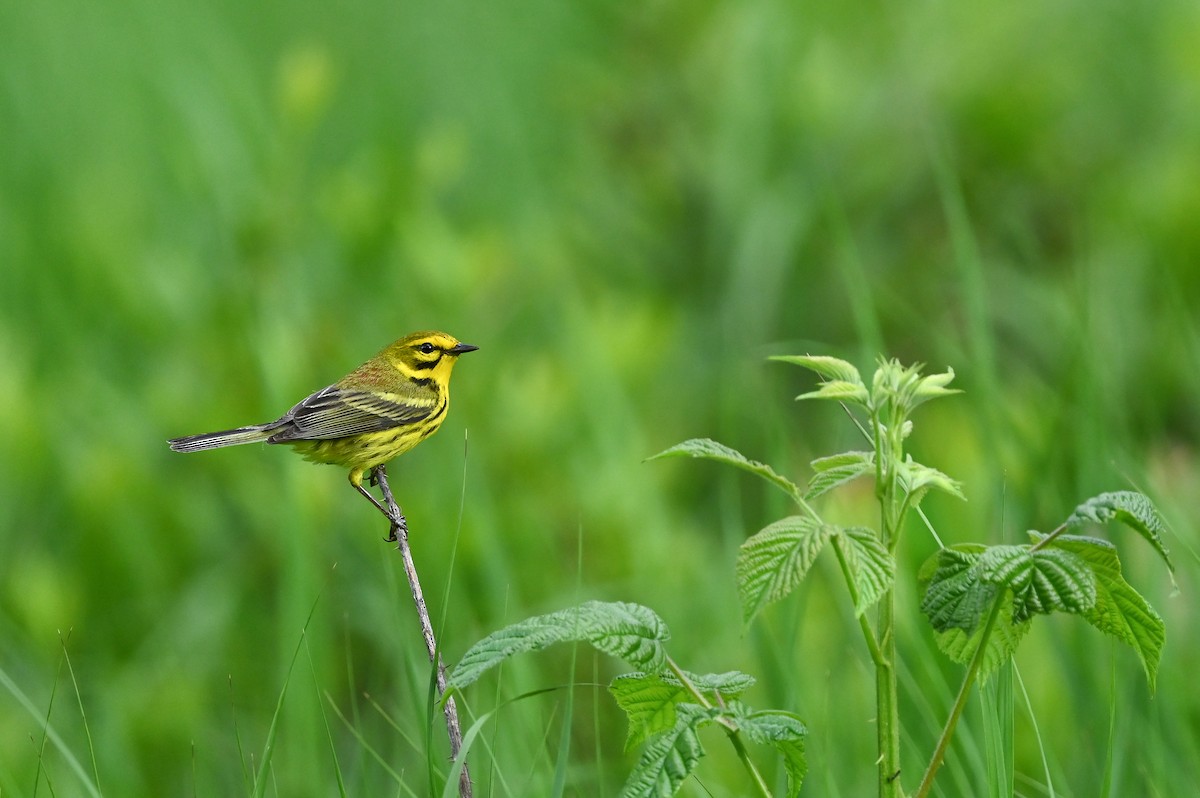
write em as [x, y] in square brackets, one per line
[887, 703]
[731, 729]
[1046, 541]
[960, 701]
[888, 450]
[863, 623]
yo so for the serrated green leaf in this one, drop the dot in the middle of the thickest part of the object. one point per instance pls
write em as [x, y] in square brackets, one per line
[1001, 643]
[916, 479]
[840, 380]
[649, 700]
[838, 469]
[729, 684]
[838, 391]
[929, 567]
[783, 730]
[1041, 581]
[872, 568]
[669, 757]
[772, 562]
[956, 598]
[649, 705]
[933, 386]
[1132, 509]
[629, 631]
[708, 449]
[956, 642]
[828, 368]
[1119, 609]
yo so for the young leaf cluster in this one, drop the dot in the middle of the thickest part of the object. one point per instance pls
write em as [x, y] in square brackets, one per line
[772, 562]
[665, 705]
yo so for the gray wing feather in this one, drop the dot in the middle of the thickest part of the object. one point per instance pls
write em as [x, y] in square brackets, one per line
[337, 412]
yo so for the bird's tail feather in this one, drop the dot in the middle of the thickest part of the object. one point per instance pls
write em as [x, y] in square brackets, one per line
[215, 440]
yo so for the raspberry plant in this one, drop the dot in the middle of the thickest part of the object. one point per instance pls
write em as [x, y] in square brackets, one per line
[980, 599]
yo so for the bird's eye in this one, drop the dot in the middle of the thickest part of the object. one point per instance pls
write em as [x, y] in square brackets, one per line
[427, 348]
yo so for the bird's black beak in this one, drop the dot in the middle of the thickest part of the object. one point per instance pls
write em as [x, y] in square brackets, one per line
[459, 349]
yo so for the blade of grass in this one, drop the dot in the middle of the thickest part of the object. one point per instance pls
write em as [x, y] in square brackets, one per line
[41, 747]
[596, 702]
[997, 704]
[494, 771]
[42, 771]
[1036, 732]
[351, 685]
[337, 769]
[383, 713]
[854, 275]
[247, 779]
[970, 266]
[260, 782]
[448, 791]
[564, 739]
[87, 732]
[1109, 760]
[8, 684]
[368, 748]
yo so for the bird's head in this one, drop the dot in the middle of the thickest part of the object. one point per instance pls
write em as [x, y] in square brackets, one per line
[427, 354]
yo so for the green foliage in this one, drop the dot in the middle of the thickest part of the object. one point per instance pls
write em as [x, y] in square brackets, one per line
[670, 756]
[955, 597]
[630, 632]
[1041, 581]
[673, 750]
[841, 381]
[1118, 610]
[916, 480]
[665, 705]
[711, 450]
[1132, 509]
[1055, 573]
[870, 566]
[785, 732]
[963, 585]
[838, 469]
[649, 699]
[771, 563]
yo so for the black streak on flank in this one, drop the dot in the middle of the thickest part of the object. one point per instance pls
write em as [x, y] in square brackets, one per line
[437, 413]
[424, 382]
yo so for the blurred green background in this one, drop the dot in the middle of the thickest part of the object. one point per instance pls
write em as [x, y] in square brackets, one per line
[209, 210]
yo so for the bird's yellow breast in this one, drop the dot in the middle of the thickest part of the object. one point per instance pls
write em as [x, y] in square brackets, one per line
[370, 449]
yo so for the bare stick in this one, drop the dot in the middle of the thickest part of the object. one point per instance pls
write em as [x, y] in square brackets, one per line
[399, 533]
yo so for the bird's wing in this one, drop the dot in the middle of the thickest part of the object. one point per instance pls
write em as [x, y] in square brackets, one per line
[335, 412]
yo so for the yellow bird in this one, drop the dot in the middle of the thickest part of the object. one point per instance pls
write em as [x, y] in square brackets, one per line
[380, 410]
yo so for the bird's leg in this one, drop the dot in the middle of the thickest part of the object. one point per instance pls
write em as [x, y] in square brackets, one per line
[395, 514]
[392, 513]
